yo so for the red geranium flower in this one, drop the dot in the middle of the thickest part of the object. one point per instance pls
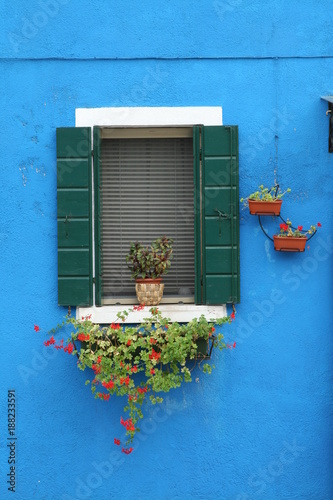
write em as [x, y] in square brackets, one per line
[69, 348]
[83, 337]
[117, 441]
[232, 315]
[36, 328]
[124, 380]
[108, 385]
[127, 450]
[319, 225]
[128, 424]
[154, 355]
[115, 326]
[142, 390]
[50, 342]
[138, 308]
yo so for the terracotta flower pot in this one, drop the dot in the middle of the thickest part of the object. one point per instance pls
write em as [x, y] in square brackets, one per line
[258, 207]
[149, 291]
[289, 243]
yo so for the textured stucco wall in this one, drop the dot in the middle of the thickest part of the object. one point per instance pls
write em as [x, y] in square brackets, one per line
[261, 425]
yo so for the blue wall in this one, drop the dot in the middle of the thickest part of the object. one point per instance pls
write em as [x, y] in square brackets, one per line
[261, 425]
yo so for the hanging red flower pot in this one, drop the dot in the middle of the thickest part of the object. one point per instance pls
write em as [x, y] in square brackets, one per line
[292, 239]
[258, 207]
[265, 201]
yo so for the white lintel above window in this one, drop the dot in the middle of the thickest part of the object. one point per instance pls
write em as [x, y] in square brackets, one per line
[146, 117]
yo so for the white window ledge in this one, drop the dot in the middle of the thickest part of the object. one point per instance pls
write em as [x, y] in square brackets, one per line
[179, 313]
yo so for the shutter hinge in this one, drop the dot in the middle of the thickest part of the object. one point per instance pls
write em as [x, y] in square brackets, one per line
[200, 154]
[222, 215]
[94, 281]
[92, 153]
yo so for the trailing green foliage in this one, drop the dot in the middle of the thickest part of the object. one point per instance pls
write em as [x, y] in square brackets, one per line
[139, 361]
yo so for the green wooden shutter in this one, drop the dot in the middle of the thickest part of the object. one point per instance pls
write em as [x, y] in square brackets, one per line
[217, 214]
[74, 216]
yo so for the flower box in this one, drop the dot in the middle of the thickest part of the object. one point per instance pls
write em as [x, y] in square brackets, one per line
[203, 349]
[258, 207]
[289, 243]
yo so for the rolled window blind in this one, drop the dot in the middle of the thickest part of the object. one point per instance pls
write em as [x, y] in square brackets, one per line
[146, 192]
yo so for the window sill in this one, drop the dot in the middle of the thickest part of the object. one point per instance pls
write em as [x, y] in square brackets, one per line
[180, 313]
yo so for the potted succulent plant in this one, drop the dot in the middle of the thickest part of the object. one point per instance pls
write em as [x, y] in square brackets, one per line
[265, 201]
[148, 264]
[292, 239]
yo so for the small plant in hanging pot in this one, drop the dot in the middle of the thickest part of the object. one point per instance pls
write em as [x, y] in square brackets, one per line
[265, 201]
[148, 264]
[293, 239]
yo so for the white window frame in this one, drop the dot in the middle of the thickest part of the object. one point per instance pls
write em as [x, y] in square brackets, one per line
[146, 117]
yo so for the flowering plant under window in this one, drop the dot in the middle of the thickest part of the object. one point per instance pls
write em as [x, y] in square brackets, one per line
[286, 229]
[139, 361]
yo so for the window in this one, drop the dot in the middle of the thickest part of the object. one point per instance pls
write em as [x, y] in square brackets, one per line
[143, 182]
[145, 191]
